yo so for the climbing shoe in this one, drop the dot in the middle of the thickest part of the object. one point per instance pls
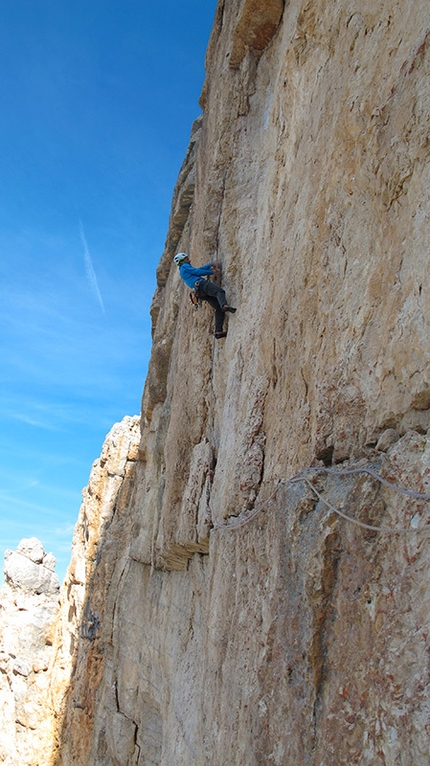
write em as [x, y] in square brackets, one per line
[219, 334]
[229, 308]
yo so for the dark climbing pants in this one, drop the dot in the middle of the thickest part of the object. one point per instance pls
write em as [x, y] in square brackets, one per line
[215, 296]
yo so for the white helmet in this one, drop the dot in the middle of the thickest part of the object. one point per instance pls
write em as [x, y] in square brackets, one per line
[179, 258]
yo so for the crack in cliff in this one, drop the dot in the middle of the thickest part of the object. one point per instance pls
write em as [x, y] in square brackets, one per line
[324, 615]
[323, 582]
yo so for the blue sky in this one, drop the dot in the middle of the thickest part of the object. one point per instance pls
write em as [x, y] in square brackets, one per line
[97, 102]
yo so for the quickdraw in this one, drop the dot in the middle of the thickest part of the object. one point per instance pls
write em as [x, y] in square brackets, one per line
[194, 294]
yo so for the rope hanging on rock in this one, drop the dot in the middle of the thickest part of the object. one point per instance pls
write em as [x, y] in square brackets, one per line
[219, 222]
[301, 477]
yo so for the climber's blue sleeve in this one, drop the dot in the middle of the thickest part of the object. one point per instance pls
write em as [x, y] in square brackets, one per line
[191, 273]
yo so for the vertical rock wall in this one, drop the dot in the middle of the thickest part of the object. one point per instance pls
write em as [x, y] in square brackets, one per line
[312, 173]
[298, 637]
[294, 636]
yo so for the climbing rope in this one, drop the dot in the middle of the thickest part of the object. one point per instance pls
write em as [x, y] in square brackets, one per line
[350, 471]
[219, 222]
[241, 522]
[373, 528]
[301, 477]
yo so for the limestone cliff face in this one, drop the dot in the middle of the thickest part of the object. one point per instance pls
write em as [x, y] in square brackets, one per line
[51, 656]
[87, 597]
[29, 607]
[228, 618]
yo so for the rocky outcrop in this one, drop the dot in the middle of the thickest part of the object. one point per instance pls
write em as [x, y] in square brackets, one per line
[105, 519]
[255, 28]
[51, 658]
[30, 570]
[227, 613]
[29, 606]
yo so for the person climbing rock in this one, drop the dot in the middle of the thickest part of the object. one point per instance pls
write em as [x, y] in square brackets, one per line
[195, 279]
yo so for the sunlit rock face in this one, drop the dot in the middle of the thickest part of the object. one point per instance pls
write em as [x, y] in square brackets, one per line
[50, 638]
[29, 606]
[215, 612]
[105, 519]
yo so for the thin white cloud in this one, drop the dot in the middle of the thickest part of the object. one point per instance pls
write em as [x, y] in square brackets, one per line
[89, 268]
[34, 422]
[66, 530]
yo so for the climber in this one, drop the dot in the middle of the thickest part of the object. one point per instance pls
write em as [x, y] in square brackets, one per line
[196, 279]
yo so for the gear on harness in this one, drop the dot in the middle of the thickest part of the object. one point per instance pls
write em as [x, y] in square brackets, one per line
[194, 295]
[203, 289]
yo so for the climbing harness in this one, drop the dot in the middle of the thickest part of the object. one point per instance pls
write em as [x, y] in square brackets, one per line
[194, 294]
[302, 477]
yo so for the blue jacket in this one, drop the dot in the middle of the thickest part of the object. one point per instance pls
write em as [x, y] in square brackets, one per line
[190, 274]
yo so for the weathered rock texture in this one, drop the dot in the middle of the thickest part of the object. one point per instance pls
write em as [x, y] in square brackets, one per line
[87, 595]
[29, 606]
[50, 653]
[298, 637]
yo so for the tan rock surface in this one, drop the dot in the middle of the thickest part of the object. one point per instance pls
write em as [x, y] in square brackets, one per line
[296, 637]
[50, 654]
[77, 665]
[300, 638]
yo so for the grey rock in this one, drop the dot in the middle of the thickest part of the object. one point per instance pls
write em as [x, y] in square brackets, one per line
[49, 561]
[32, 548]
[22, 667]
[23, 573]
[387, 438]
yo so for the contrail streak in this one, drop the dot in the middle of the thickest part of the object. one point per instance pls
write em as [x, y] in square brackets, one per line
[89, 268]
